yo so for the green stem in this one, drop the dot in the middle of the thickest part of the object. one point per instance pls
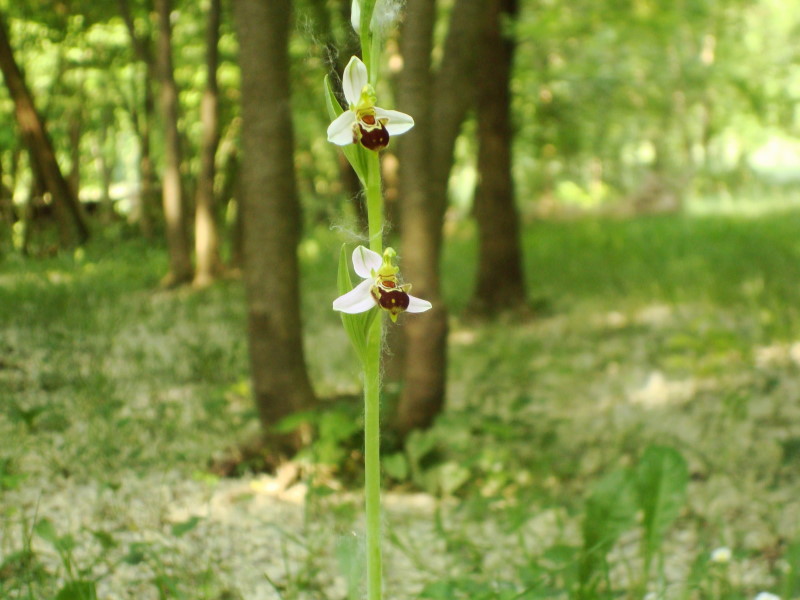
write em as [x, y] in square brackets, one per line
[372, 460]
[374, 202]
[372, 385]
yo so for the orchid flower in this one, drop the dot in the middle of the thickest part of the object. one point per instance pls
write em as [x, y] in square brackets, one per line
[385, 14]
[379, 288]
[364, 122]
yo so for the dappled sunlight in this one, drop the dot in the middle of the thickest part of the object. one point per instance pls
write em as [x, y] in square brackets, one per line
[598, 398]
[778, 355]
[121, 407]
[657, 391]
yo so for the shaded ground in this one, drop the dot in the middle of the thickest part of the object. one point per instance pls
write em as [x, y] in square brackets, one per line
[656, 331]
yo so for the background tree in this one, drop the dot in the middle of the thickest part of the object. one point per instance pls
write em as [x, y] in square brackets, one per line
[439, 100]
[142, 116]
[206, 229]
[271, 218]
[42, 154]
[501, 278]
[173, 194]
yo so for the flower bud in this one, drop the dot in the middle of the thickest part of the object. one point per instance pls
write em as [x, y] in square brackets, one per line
[355, 16]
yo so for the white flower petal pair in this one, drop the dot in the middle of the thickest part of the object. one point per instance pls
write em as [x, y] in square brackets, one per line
[355, 16]
[363, 121]
[379, 287]
[385, 13]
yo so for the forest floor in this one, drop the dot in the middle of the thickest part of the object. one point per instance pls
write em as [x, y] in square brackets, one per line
[667, 331]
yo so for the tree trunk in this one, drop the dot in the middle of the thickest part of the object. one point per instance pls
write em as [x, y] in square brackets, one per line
[6, 214]
[230, 192]
[175, 213]
[38, 142]
[271, 218]
[501, 280]
[104, 157]
[75, 134]
[206, 229]
[141, 123]
[426, 156]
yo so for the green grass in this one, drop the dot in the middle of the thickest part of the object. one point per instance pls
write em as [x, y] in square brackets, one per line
[667, 331]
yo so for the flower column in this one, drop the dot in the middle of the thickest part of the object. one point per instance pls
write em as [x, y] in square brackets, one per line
[362, 130]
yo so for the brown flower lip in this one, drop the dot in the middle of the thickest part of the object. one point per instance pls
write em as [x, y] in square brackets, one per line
[371, 133]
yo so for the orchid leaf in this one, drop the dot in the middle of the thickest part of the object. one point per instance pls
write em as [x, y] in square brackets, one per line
[355, 154]
[610, 510]
[357, 326]
[662, 478]
[80, 589]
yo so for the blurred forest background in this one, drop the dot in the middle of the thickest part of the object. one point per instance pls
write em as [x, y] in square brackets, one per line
[601, 199]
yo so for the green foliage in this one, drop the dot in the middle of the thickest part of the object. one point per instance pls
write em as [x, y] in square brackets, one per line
[662, 477]
[336, 427]
[77, 590]
[790, 584]
[181, 529]
[541, 417]
[610, 510]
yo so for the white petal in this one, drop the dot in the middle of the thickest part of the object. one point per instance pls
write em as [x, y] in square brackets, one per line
[417, 305]
[365, 261]
[397, 122]
[340, 132]
[354, 80]
[357, 300]
[355, 15]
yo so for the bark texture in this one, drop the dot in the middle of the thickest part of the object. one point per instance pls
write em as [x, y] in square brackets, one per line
[271, 218]
[206, 229]
[426, 156]
[500, 280]
[34, 133]
[175, 213]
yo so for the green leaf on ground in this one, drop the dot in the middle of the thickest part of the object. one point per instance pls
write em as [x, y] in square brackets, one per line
[662, 477]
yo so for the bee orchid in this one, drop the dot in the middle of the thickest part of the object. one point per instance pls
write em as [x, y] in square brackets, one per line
[363, 122]
[380, 287]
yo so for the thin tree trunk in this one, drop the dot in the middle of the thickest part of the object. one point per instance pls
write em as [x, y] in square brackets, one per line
[175, 212]
[230, 192]
[147, 190]
[206, 229]
[38, 142]
[75, 134]
[501, 280]
[142, 123]
[423, 392]
[426, 158]
[271, 218]
[104, 168]
[6, 214]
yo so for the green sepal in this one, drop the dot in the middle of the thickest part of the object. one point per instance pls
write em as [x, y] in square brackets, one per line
[357, 326]
[334, 108]
[356, 155]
